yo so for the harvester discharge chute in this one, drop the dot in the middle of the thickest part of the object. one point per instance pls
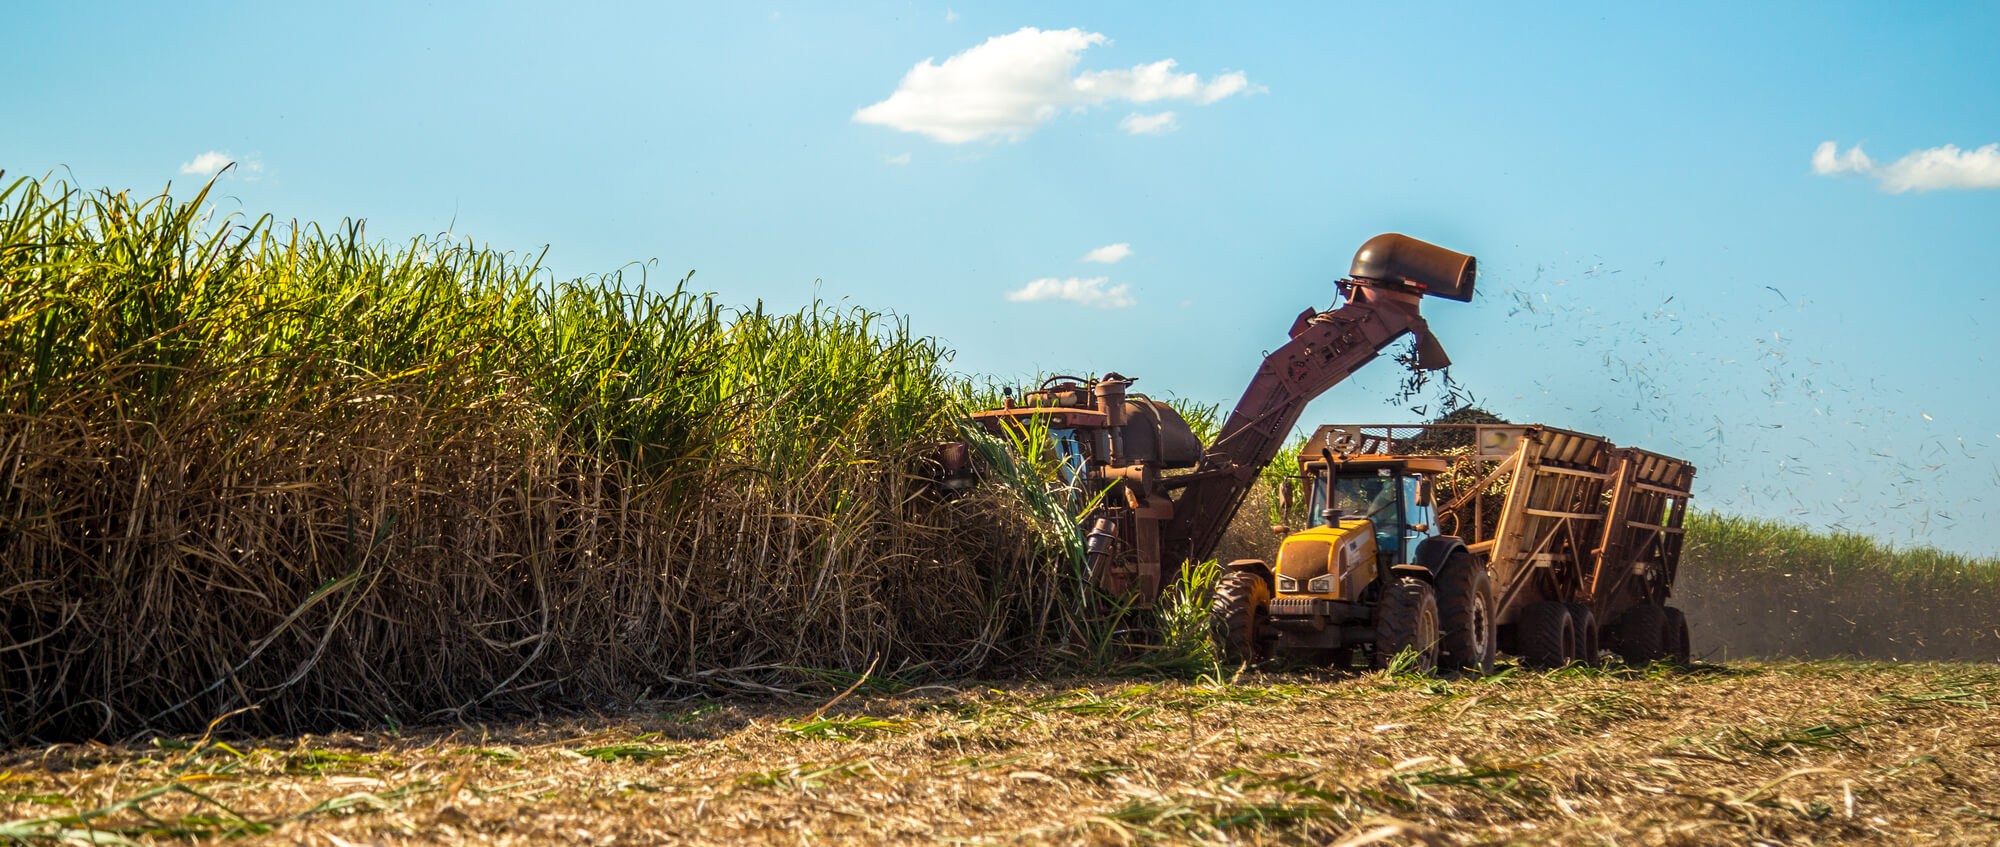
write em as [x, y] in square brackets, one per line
[1148, 524]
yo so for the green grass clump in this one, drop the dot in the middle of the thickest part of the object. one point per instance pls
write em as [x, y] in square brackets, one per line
[841, 728]
[344, 481]
[631, 752]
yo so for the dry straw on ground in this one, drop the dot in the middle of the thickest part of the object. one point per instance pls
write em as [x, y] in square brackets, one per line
[1770, 754]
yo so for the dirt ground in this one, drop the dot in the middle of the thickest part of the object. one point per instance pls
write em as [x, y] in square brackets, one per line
[1750, 753]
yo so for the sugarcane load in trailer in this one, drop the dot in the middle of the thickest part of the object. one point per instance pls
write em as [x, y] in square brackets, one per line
[1448, 543]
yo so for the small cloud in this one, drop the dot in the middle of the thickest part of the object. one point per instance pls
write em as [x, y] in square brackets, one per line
[213, 161]
[206, 164]
[1010, 85]
[898, 159]
[1089, 292]
[1829, 160]
[950, 16]
[1919, 170]
[1138, 124]
[1109, 254]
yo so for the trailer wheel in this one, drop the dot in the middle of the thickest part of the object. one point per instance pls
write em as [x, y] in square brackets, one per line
[1676, 642]
[1465, 605]
[1642, 634]
[1236, 617]
[1585, 621]
[1547, 635]
[1407, 619]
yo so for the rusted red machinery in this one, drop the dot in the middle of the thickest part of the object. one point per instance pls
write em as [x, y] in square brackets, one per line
[1456, 541]
[1166, 498]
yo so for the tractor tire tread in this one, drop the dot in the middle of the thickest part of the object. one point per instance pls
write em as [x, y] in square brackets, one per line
[1588, 644]
[1541, 632]
[1459, 581]
[1397, 620]
[1675, 645]
[1234, 616]
[1642, 634]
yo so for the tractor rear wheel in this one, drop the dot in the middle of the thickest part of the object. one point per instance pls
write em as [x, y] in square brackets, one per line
[1546, 634]
[1676, 643]
[1465, 605]
[1407, 619]
[1237, 615]
[1585, 622]
[1642, 634]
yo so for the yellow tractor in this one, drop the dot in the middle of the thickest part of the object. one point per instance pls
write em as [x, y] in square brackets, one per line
[1352, 577]
[1549, 544]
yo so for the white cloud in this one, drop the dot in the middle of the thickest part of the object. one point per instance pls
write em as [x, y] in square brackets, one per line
[1138, 124]
[898, 159]
[1944, 167]
[1157, 81]
[213, 161]
[1089, 292]
[1109, 254]
[950, 16]
[1828, 160]
[1919, 170]
[206, 164]
[1012, 84]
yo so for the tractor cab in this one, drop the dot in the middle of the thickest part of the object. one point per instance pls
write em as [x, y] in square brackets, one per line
[1392, 494]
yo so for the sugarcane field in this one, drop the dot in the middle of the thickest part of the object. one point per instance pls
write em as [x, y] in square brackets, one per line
[1113, 434]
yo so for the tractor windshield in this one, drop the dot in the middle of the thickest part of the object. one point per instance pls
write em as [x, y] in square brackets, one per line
[1366, 497]
[1391, 502]
[1372, 497]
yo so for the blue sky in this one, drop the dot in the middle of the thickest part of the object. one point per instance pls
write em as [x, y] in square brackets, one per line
[1668, 255]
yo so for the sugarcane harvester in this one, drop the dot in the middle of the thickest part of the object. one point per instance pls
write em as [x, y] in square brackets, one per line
[1164, 499]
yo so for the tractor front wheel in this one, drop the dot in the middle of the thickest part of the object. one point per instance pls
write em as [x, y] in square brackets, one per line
[1407, 619]
[1237, 615]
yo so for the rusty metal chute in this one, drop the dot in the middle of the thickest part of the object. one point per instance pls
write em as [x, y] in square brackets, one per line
[1325, 348]
[1155, 524]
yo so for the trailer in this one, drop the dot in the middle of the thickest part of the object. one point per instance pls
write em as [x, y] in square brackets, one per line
[1454, 542]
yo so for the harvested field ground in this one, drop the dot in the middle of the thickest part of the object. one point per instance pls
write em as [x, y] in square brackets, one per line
[1770, 753]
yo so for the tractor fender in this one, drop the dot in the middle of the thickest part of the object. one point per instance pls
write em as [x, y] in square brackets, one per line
[1418, 571]
[1254, 566]
[1434, 552]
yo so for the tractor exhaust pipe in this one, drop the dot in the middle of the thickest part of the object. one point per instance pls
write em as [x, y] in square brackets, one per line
[1399, 260]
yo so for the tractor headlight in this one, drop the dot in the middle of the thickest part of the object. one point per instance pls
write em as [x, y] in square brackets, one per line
[1323, 584]
[1288, 585]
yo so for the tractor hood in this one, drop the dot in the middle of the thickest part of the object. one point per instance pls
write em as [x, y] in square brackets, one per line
[1346, 553]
